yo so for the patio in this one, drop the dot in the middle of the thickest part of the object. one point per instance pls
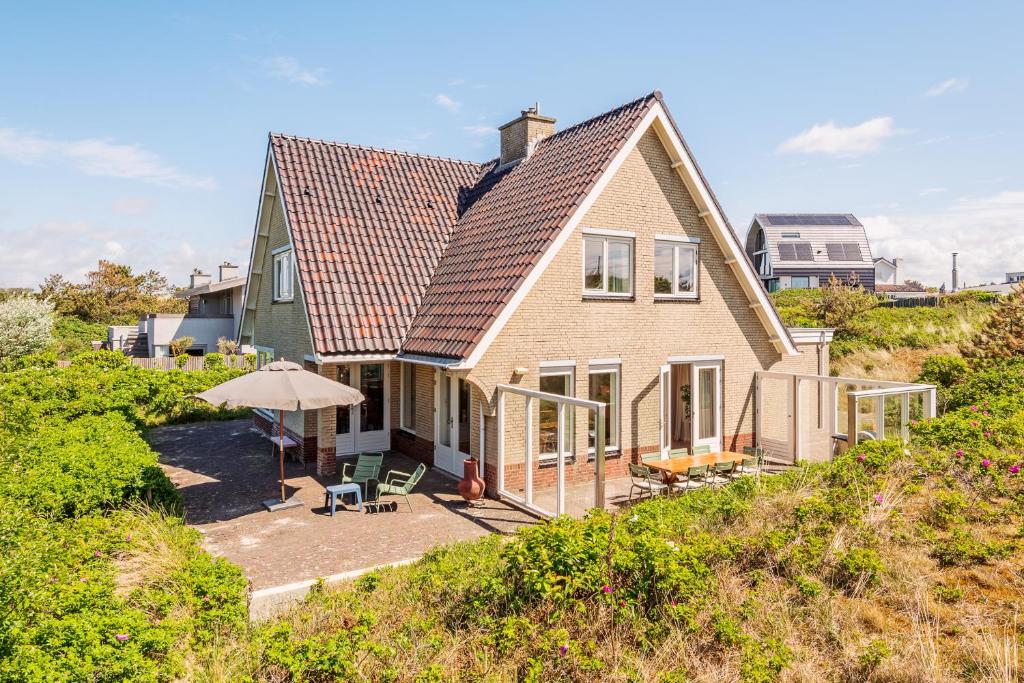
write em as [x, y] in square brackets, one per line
[225, 469]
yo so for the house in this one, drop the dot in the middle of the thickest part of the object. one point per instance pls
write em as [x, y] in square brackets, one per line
[803, 250]
[502, 310]
[888, 272]
[214, 312]
[1005, 287]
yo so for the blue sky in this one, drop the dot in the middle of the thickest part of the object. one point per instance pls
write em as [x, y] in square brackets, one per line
[137, 131]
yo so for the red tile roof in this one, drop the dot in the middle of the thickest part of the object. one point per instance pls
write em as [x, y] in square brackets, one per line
[501, 238]
[369, 227]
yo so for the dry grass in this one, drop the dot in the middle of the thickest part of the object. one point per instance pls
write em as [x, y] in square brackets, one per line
[899, 365]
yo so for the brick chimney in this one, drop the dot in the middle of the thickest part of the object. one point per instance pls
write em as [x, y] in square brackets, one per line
[227, 271]
[198, 278]
[520, 136]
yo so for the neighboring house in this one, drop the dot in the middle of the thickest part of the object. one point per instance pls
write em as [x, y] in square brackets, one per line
[214, 311]
[1012, 280]
[593, 262]
[803, 250]
[888, 272]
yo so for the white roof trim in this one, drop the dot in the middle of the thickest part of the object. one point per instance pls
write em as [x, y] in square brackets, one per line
[252, 250]
[353, 357]
[677, 238]
[453, 363]
[291, 243]
[811, 335]
[607, 232]
[726, 238]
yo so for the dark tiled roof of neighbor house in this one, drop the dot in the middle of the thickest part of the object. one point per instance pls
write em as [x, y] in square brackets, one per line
[369, 227]
[499, 240]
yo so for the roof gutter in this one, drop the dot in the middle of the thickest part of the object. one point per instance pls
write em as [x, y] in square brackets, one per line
[445, 363]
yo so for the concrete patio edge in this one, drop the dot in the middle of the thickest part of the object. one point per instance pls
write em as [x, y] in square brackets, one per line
[265, 602]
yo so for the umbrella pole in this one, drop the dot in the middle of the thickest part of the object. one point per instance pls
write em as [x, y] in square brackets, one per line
[280, 431]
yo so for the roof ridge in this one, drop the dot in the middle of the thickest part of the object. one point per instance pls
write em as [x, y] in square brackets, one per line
[370, 148]
[654, 94]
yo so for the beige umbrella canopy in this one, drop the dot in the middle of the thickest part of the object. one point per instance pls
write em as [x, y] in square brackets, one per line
[281, 385]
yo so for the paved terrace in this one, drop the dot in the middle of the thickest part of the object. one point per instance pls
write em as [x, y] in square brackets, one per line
[225, 469]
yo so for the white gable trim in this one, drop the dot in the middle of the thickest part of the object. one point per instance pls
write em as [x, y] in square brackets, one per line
[252, 251]
[725, 237]
[291, 243]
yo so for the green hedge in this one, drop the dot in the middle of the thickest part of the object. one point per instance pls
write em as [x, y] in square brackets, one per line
[99, 580]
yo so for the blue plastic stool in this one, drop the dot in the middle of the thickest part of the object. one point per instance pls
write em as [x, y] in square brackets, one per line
[332, 493]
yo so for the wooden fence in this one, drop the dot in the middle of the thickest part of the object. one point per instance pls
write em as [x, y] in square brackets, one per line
[169, 363]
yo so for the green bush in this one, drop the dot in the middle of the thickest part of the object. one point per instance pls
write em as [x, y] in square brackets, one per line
[962, 549]
[213, 361]
[943, 370]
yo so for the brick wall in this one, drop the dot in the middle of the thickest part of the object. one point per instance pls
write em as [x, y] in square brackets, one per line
[306, 450]
[554, 322]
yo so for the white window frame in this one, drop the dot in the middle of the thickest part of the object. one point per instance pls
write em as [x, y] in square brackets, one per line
[283, 258]
[607, 237]
[564, 370]
[403, 388]
[678, 244]
[795, 277]
[602, 368]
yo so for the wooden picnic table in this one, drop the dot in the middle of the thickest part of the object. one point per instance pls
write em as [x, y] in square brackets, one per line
[672, 467]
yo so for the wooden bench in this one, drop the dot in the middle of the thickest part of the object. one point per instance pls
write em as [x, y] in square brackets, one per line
[289, 442]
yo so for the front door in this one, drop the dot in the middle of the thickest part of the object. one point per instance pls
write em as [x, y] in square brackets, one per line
[453, 422]
[706, 389]
[364, 427]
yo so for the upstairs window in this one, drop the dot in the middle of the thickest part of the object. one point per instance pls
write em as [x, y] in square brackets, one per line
[843, 251]
[283, 275]
[607, 265]
[795, 251]
[675, 269]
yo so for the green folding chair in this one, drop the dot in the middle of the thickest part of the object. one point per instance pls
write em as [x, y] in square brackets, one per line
[678, 453]
[651, 457]
[366, 469]
[398, 483]
[701, 450]
[694, 475]
[642, 479]
[722, 472]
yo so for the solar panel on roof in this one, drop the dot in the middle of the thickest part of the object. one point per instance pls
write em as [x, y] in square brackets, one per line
[843, 251]
[795, 251]
[808, 219]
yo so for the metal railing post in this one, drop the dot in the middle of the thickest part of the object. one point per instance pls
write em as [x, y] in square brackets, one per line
[560, 474]
[528, 451]
[599, 456]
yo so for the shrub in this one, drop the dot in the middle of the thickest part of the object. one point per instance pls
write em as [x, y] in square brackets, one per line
[962, 549]
[859, 566]
[26, 326]
[943, 370]
[227, 347]
[1002, 335]
[179, 346]
[841, 302]
[213, 361]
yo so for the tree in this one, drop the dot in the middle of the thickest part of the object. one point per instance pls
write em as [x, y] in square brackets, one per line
[26, 326]
[841, 302]
[1002, 335]
[112, 293]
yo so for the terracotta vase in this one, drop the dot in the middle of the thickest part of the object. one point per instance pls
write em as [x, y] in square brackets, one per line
[472, 486]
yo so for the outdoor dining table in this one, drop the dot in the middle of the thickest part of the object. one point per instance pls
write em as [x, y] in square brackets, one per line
[673, 467]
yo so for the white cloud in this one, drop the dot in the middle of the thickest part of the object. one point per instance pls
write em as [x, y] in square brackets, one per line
[947, 86]
[448, 103]
[828, 138]
[289, 69]
[133, 206]
[97, 157]
[933, 190]
[987, 232]
[480, 130]
[72, 248]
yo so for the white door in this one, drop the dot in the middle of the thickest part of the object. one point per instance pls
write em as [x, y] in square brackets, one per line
[665, 409]
[444, 452]
[364, 427]
[345, 437]
[706, 388]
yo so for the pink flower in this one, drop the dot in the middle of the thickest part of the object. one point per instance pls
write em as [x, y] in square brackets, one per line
[988, 434]
[1014, 469]
[986, 413]
[128, 538]
[986, 463]
[607, 589]
[861, 457]
[122, 637]
[974, 423]
[563, 650]
[974, 408]
[622, 603]
[959, 453]
[878, 498]
[97, 554]
[673, 603]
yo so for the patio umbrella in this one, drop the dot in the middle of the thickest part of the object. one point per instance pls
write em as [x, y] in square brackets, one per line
[281, 385]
